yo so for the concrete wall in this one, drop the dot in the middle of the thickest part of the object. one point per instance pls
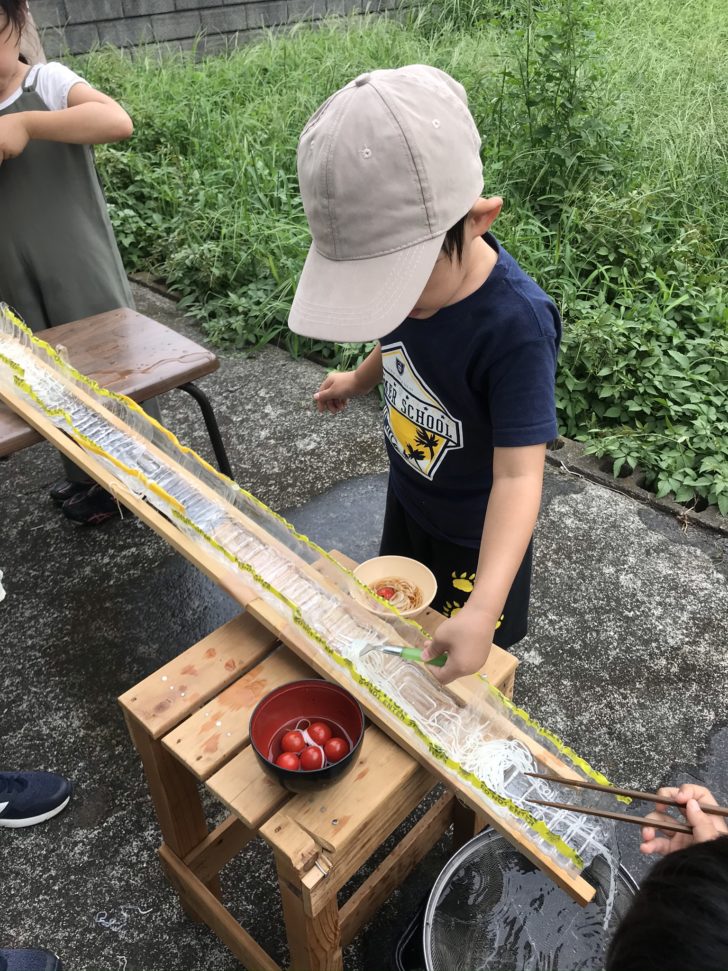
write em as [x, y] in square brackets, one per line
[75, 26]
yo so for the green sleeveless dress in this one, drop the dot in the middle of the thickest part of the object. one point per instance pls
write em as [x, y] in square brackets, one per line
[58, 257]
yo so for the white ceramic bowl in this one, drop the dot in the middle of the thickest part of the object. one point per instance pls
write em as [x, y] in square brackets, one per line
[397, 566]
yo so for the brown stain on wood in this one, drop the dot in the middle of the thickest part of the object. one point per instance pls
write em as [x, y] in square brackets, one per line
[212, 744]
[230, 664]
[245, 694]
[162, 706]
[209, 723]
[210, 652]
[361, 774]
[190, 670]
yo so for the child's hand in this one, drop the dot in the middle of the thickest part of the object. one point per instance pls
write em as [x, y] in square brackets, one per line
[335, 391]
[467, 638]
[13, 136]
[705, 827]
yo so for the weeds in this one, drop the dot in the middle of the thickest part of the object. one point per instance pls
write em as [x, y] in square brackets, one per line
[604, 129]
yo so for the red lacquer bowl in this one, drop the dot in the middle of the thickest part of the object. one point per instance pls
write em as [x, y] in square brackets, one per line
[306, 701]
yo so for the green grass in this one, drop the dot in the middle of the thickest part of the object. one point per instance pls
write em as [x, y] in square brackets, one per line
[604, 128]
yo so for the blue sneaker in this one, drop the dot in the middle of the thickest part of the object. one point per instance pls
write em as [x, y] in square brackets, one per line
[27, 798]
[27, 959]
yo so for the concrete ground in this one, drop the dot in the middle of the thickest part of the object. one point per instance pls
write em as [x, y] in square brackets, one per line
[626, 660]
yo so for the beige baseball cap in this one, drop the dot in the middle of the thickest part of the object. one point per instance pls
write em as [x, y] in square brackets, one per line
[386, 166]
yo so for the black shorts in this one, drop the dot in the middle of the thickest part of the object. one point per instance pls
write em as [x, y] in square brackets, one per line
[454, 568]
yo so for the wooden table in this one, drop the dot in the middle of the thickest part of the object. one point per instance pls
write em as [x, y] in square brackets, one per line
[189, 723]
[126, 352]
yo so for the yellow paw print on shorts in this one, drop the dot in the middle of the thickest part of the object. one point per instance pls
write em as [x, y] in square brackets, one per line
[449, 609]
[463, 581]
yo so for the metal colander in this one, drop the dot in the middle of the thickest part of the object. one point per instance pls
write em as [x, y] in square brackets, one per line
[491, 908]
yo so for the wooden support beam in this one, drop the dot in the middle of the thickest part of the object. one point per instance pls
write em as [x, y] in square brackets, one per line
[218, 848]
[394, 870]
[314, 942]
[215, 915]
[176, 801]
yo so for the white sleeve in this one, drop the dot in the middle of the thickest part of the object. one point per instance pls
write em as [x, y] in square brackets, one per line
[54, 81]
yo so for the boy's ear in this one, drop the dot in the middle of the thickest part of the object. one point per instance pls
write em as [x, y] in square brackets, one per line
[483, 214]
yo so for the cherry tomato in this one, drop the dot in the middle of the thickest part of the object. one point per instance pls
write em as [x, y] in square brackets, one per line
[320, 732]
[386, 593]
[336, 749]
[288, 760]
[293, 742]
[312, 758]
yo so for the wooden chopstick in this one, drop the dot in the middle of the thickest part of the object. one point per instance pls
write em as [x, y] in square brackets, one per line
[632, 793]
[672, 825]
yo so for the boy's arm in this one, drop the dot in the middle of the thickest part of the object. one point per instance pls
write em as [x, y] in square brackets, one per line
[513, 508]
[370, 373]
[337, 387]
[91, 118]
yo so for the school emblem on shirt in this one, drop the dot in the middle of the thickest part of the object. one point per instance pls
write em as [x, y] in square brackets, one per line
[416, 422]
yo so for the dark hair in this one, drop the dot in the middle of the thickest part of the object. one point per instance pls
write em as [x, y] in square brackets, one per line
[454, 238]
[15, 12]
[679, 918]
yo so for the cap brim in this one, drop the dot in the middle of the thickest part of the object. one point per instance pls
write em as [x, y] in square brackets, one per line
[361, 300]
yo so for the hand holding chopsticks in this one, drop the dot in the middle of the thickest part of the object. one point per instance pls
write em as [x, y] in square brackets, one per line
[705, 820]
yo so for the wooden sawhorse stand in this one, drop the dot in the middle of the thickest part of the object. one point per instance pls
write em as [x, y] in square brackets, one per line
[189, 723]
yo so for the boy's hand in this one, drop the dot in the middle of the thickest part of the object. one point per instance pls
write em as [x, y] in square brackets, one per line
[467, 638]
[335, 391]
[14, 136]
[705, 827]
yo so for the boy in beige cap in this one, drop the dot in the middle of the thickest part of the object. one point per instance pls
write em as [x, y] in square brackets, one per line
[391, 181]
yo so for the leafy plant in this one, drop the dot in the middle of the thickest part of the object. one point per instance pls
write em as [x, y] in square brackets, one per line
[604, 128]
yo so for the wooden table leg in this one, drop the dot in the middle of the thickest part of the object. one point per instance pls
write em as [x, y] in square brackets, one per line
[465, 824]
[314, 943]
[176, 801]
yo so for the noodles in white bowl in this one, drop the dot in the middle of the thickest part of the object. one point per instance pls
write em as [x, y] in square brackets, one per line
[404, 595]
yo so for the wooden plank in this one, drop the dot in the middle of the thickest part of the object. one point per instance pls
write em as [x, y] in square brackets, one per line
[220, 728]
[575, 885]
[228, 580]
[15, 434]
[466, 824]
[246, 790]
[190, 680]
[294, 847]
[218, 848]
[362, 801]
[176, 801]
[362, 906]
[314, 943]
[215, 915]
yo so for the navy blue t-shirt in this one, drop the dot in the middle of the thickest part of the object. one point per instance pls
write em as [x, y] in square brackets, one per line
[478, 374]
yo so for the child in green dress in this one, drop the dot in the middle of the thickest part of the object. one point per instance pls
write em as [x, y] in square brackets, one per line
[58, 257]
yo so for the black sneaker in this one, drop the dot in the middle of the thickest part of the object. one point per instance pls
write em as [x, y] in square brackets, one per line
[27, 798]
[28, 959]
[62, 490]
[91, 508]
